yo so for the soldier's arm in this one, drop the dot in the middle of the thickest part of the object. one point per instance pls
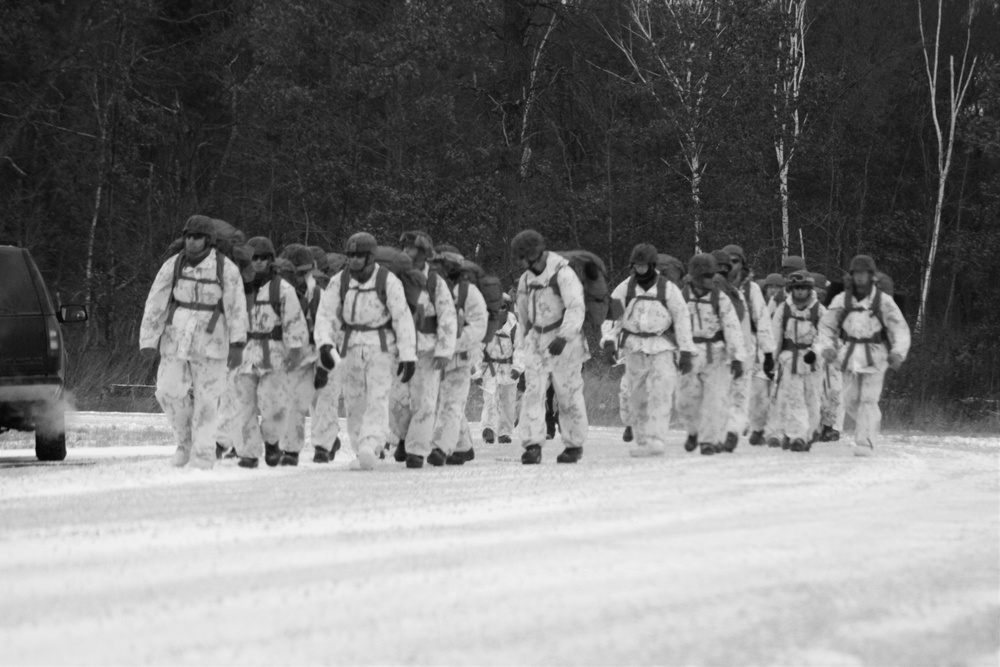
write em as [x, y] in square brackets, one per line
[476, 317]
[897, 328]
[154, 316]
[327, 327]
[234, 302]
[521, 310]
[447, 321]
[829, 325]
[515, 340]
[732, 329]
[294, 329]
[611, 328]
[571, 290]
[402, 320]
[682, 319]
[765, 334]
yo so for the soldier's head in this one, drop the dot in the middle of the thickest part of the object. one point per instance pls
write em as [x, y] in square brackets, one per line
[644, 259]
[263, 254]
[450, 261]
[528, 247]
[772, 285]
[199, 234]
[319, 256]
[800, 285]
[360, 249]
[737, 260]
[724, 263]
[701, 271]
[862, 270]
[792, 263]
[821, 285]
[418, 245]
[302, 262]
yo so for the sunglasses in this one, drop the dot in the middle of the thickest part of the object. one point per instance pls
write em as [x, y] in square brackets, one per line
[263, 258]
[195, 235]
[357, 255]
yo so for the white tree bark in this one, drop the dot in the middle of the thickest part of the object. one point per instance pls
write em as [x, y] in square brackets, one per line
[791, 65]
[958, 85]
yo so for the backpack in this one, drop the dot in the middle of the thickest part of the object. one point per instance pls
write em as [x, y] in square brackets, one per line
[671, 267]
[593, 275]
[489, 287]
[876, 311]
[661, 296]
[217, 310]
[227, 238]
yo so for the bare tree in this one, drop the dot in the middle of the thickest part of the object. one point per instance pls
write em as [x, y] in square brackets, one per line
[958, 85]
[791, 66]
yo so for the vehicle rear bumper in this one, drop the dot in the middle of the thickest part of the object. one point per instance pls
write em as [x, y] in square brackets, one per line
[30, 389]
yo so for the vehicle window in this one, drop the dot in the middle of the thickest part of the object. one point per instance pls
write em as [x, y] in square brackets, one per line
[17, 291]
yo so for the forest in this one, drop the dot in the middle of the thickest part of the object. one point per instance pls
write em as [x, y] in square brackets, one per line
[822, 128]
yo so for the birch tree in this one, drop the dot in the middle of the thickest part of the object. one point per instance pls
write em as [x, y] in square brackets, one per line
[791, 65]
[944, 128]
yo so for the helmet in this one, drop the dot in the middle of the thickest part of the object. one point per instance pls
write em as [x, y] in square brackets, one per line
[528, 243]
[450, 261]
[644, 253]
[732, 250]
[319, 256]
[862, 263]
[299, 255]
[360, 242]
[201, 224]
[261, 245]
[420, 240]
[702, 265]
[799, 279]
[242, 254]
[819, 279]
[722, 259]
[774, 280]
[284, 267]
[794, 263]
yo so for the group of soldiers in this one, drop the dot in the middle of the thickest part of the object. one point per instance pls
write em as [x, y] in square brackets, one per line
[252, 342]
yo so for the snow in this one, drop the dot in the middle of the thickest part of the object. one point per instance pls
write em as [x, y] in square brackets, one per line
[758, 557]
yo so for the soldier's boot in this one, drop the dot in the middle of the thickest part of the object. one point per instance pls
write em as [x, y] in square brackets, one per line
[400, 454]
[774, 441]
[504, 440]
[532, 455]
[272, 454]
[798, 445]
[321, 454]
[757, 438]
[289, 458]
[437, 457]
[786, 443]
[220, 451]
[414, 461]
[247, 462]
[707, 448]
[627, 435]
[570, 455]
[829, 434]
[731, 441]
[489, 436]
[455, 459]
[691, 443]
[366, 458]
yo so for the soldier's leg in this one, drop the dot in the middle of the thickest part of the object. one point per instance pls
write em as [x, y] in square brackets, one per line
[300, 398]
[759, 403]
[490, 418]
[208, 378]
[689, 394]
[714, 411]
[567, 381]
[250, 444]
[637, 372]
[273, 400]
[531, 418]
[228, 431]
[326, 413]
[624, 400]
[173, 393]
[794, 412]
[814, 400]
[506, 399]
[400, 412]
[377, 369]
[869, 416]
[424, 389]
[452, 395]
[851, 396]
[355, 393]
[739, 404]
[464, 445]
[661, 382]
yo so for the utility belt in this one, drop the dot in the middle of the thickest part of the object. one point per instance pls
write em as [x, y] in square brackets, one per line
[548, 327]
[668, 334]
[707, 341]
[795, 348]
[852, 342]
[381, 329]
[491, 360]
[428, 325]
[266, 337]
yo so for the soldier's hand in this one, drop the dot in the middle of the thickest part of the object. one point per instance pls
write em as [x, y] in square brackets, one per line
[829, 354]
[405, 370]
[895, 361]
[441, 363]
[515, 374]
[736, 367]
[321, 378]
[809, 357]
[769, 365]
[293, 358]
[522, 384]
[686, 362]
[326, 356]
[235, 357]
[610, 353]
[149, 353]
[557, 345]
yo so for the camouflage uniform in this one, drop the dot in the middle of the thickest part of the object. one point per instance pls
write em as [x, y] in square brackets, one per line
[799, 383]
[451, 430]
[367, 362]
[192, 375]
[546, 315]
[263, 384]
[759, 341]
[703, 394]
[499, 388]
[864, 363]
[650, 335]
[415, 404]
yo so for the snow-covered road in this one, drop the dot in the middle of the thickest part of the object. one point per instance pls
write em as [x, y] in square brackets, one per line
[759, 557]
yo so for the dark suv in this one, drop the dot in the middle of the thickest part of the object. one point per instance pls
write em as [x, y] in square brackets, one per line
[32, 357]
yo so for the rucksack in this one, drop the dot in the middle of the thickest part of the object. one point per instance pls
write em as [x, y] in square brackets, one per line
[489, 287]
[787, 315]
[671, 267]
[593, 275]
[661, 296]
[227, 238]
[720, 335]
[217, 310]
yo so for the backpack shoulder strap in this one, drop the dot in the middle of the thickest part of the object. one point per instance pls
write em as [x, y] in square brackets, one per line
[630, 291]
[274, 295]
[786, 314]
[661, 289]
[814, 315]
[345, 282]
[463, 294]
[715, 303]
[220, 268]
[381, 279]
[554, 280]
[432, 285]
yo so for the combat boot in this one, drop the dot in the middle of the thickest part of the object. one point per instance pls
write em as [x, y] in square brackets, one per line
[247, 462]
[532, 455]
[786, 443]
[455, 459]
[504, 440]
[400, 454]
[757, 438]
[570, 455]
[731, 441]
[272, 454]
[798, 445]
[773, 442]
[437, 457]
[707, 448]
[488, 436]
[829, 434]
[220, 451]
[627, 435]
[414, 461]
[691, 443]
[321, 454]
[289, 458]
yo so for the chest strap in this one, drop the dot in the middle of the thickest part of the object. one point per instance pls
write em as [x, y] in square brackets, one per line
[707, 341]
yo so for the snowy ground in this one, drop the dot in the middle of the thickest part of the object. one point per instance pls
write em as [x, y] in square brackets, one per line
[759, 557]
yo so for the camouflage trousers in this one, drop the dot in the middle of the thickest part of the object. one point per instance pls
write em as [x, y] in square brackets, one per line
[703, 399]
[567, 381]
[652, 379]
[367, 383]
[265, 393]
[797, 404]
[760, 403]
[625, 401]
[326, 410]
[189, 392]
[450, 420]
[861, 394]
[832, 407]
[499, 402]
[414, 406]
[739, 404]
[228, 432]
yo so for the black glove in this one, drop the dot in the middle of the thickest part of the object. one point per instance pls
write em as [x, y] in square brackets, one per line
[405, 370]
[736, 366]
[686, 363]
[769, 365]
[321, 378]
[557, 345]
[515, 375]
[610, 354]
[521, 384]
[326, 356]
[235, 357]
[809, 357]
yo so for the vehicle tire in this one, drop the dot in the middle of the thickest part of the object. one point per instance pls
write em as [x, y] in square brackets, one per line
[50, 445]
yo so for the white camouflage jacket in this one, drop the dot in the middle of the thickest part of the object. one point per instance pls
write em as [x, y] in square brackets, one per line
[862, 325]
[649, 326]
